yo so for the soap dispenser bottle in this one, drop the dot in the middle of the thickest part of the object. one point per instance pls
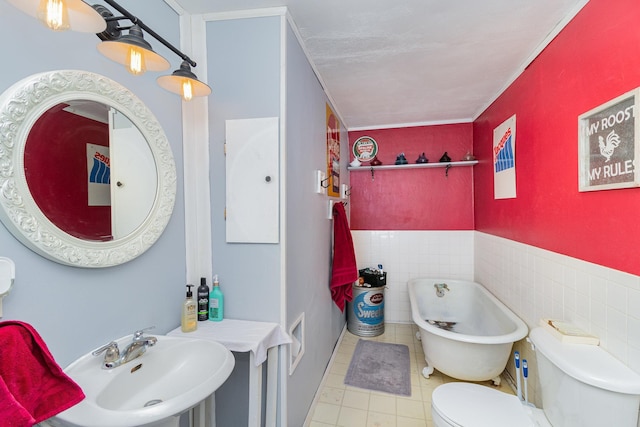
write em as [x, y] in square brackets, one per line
[216, 301]
[189, 321]
[203, 300]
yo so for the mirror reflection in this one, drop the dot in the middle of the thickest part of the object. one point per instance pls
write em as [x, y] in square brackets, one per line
[90, 170]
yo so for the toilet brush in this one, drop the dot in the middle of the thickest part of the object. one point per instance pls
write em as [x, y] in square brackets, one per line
[525, 374]
[517, 362]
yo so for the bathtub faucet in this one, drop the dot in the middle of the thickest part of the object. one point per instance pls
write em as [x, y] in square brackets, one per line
[440, 288]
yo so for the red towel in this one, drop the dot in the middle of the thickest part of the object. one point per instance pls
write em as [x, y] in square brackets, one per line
[344, 271]
[33, 387]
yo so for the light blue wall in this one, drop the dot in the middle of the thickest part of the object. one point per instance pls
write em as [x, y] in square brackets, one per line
[75, 309]
[243, 60]
[308, 229]
[244, 71]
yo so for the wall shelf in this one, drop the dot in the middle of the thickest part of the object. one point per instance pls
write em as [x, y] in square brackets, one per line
[413, 166]
[446, 165]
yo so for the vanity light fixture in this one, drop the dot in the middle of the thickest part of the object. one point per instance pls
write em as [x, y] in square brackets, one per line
[183, 82]
[61, 15]
[131, 49]
[136, 53]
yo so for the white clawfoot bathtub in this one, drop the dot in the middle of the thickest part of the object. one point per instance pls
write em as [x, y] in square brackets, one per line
[466, 332]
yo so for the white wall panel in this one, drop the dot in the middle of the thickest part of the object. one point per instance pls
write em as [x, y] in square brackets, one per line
[252, 202]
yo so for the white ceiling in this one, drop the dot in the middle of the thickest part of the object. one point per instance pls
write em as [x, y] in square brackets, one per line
[387, 63]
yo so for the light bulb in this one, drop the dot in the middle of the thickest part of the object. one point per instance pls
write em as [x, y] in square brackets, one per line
[53, 14]
[135, 61]
[187, 90]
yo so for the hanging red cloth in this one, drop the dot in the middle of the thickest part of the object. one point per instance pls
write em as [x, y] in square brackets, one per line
[344, 270]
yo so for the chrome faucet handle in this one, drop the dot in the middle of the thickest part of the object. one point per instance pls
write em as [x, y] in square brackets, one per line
[138, 335]
[112, 352]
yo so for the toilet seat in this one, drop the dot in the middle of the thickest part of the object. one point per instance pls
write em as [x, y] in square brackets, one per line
[474, 405]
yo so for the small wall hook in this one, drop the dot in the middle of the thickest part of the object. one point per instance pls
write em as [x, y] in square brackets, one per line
[345, 191]
[446, 170]
[324, 183]
[320, 179]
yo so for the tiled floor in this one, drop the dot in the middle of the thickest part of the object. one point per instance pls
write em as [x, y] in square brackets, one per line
[337, 405]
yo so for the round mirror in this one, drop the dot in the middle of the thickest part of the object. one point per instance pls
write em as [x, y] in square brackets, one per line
[90, 170]
[87, 177]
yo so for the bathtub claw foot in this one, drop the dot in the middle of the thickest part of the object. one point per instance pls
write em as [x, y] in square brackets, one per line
[427, 371]
[496, 381]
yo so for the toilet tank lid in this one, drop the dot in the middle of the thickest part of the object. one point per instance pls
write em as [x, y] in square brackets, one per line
[587, 363]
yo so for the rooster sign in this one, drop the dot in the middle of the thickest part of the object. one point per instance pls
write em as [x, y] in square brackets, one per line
[608, 144]
[608, 148]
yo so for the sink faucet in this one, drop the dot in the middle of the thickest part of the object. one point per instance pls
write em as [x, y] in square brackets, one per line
[114, 358]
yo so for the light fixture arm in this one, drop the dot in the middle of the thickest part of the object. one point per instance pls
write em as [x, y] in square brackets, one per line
[134, 20]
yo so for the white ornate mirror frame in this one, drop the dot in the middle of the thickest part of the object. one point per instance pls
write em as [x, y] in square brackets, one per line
[20, 106]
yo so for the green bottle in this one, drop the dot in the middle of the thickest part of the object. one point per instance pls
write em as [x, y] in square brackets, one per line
[216, 302]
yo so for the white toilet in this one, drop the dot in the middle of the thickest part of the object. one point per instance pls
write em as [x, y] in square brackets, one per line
[581, 386]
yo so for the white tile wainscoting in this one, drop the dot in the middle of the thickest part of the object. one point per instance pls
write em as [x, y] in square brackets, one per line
[537, 283]
[407, 254]
[532, 282]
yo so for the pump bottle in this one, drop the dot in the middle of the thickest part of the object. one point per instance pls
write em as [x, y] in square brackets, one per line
[203, 300]
[216, 302]
[188, 322]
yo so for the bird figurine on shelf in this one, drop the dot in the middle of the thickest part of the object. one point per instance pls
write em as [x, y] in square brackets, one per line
[422, 159]
[468, 157]
[401, 159]
[375, 161]
[445, 158]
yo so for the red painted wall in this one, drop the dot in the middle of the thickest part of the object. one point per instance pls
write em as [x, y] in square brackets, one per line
[414, 199]
[56, 172]
[594, 59]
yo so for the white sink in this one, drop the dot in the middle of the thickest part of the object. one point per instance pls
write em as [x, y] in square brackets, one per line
[174, 375]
